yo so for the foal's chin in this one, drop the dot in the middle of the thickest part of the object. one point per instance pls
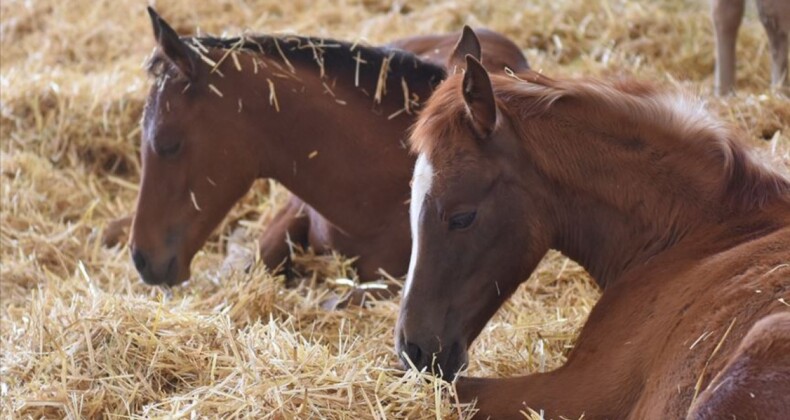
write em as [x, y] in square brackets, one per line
[169, 279]
[182, 276]
[454, 363]
[446, 365]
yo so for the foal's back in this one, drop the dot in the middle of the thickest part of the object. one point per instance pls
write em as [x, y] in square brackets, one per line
[752, 378]
[499, 51]
[719, 324]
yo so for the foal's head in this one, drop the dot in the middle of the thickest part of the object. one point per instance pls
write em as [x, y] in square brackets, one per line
[471, 245]
[194, 167]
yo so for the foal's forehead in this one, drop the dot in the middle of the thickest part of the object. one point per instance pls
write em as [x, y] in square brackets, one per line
[158, 65]
[168, 89]
[457, 168]
[163, 105]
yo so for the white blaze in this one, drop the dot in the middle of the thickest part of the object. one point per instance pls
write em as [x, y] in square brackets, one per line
[420, 185]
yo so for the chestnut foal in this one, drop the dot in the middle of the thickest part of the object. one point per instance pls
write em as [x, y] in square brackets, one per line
[686, 234]
[326, 118]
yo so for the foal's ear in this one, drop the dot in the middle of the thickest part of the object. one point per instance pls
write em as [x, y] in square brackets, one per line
[479, 97]
[467, 44]
[176, 51]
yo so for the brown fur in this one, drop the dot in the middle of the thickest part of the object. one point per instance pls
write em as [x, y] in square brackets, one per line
[756, 379]
[334, 137]
[497, 51]
[686, 233]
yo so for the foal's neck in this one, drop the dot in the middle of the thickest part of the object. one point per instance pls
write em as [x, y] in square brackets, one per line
[332, 120]
[624, 191]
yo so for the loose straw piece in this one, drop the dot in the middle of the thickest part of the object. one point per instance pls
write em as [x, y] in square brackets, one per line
[358, 60]
[381, 84]
[194, 200]
[698, 385]
[273, 95]
[215, 90]
[283, 56]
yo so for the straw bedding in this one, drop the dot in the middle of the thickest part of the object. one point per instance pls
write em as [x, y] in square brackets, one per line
[83, 337]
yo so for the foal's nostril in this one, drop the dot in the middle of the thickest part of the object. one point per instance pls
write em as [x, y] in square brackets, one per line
[139, 260]
[444, 363]
[414, 353]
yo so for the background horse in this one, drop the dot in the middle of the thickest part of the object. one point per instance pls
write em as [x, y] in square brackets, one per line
[325, 118]
[684, 232]
[727, 16]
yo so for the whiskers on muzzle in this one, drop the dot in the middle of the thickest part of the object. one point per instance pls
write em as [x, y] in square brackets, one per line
[165, 272]
[444, 362]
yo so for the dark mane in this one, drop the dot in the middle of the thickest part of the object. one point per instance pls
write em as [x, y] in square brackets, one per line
[328, 56]
[306, 49]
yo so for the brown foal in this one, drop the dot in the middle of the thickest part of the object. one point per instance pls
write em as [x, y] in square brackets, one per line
[325, 118]
[687, 235]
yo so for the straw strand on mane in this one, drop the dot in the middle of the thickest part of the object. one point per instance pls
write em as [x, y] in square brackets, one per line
[327, 55]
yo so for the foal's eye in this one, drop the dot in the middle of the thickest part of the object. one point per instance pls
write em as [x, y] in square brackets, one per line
[168, 149]
[462, 220]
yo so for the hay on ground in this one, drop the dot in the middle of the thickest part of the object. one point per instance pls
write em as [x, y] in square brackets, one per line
[82, 337]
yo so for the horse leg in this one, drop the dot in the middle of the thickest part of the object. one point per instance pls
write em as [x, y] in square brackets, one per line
[727, 15]
[289, 226]
[572, 391]
[755, 383]
[775, 16]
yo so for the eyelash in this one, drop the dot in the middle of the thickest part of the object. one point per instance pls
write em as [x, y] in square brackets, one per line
[168, 150]
[462, 220]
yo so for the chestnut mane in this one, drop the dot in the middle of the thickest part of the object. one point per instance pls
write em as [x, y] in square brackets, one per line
[681, 122]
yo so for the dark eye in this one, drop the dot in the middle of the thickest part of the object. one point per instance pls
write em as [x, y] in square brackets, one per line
[462, 220]
[169, 149]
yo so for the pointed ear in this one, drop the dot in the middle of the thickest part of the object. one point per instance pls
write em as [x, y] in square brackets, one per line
[176, 51]
[467, 44]
[479, 97]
